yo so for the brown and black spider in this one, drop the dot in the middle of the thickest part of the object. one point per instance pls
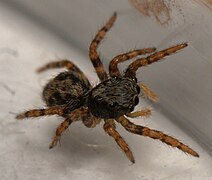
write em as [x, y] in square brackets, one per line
[71, 95]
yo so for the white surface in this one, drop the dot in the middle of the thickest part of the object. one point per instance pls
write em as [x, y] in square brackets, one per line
[85, 153]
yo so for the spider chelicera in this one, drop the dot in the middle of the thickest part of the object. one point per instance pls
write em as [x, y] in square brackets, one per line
[71, 95]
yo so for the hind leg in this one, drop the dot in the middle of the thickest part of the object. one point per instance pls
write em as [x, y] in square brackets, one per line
[59, 64]
[134, 66]
[55, 110]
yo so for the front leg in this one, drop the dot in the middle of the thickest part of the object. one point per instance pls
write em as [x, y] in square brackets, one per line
[154, 134]
[93, 54]
[113, 66]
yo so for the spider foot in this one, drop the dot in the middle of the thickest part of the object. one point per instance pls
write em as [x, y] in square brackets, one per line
[155, 134]
[20, 116]
[54, 142]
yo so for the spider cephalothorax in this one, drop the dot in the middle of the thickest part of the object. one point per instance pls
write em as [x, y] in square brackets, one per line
[113, 98]
[71, 95]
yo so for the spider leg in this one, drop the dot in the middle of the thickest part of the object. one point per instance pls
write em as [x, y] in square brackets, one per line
[73, 116]
[142, 113]
[61, 128]
[133, 67]
[148, 92]
[59, 64]
[41, 112]
[154, 134]
[110, 128]
[113, 66]
[94, 56]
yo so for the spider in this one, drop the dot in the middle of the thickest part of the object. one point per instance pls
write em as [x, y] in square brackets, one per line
[71, 95]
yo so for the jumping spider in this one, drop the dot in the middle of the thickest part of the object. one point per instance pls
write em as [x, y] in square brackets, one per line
[71, 95]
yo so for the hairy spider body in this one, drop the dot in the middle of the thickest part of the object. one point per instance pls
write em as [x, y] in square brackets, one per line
[113, 98]
[66, 89]
[71, 95]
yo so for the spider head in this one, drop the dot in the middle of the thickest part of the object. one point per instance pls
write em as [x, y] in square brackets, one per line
[113, 98]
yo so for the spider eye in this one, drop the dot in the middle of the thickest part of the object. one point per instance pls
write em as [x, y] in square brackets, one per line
[135, 79]
[136, 100]
[138, 89]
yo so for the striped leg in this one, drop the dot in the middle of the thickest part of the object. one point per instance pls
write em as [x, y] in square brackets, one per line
[94, 56]
[73, 116]
[41, 112]
[59, 64]
[67, 64]
[148, 92]
[113, 67]
[63, 126]
[133, 67]
[110, 128]
[154, 134]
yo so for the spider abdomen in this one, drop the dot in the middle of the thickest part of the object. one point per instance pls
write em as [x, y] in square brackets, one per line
[113, 98]
[65, 87]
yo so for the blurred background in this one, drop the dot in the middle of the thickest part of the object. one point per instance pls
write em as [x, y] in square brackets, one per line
[35, 32]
